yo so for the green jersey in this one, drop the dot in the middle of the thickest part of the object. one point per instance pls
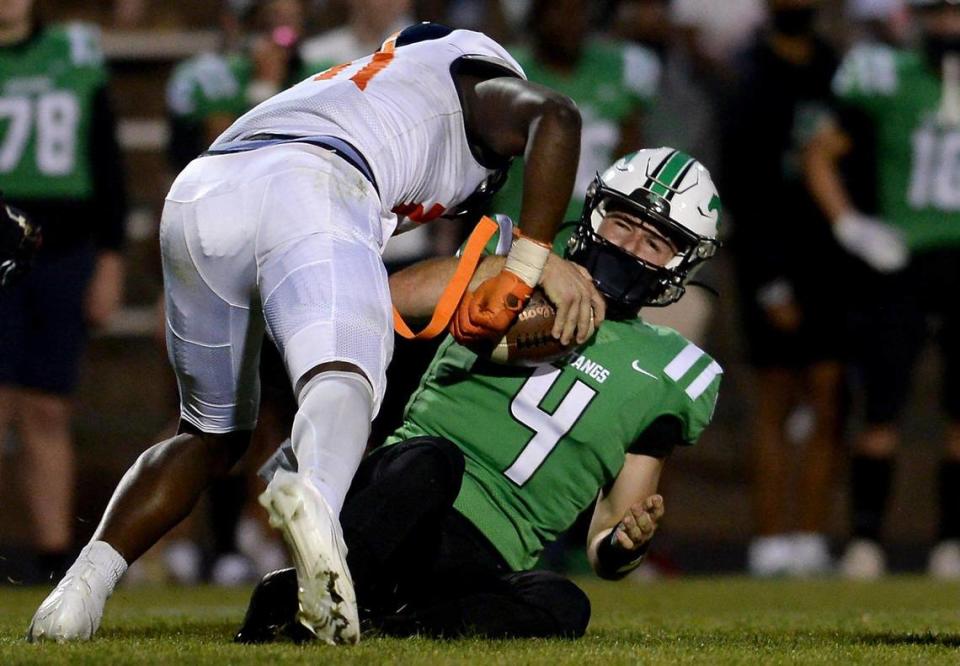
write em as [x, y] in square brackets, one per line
[48, 85]
[918, 154]
[612, 82]
[540, 442]
[214, 83]
[209, 84]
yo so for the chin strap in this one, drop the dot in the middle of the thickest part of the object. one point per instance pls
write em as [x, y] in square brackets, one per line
[453, 293]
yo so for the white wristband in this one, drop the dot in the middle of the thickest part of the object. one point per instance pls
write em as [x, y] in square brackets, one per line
[526, 260]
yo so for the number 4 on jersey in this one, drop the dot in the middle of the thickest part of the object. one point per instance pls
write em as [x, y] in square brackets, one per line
[549, 428]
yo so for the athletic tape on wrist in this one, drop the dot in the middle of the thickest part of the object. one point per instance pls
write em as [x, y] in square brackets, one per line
[526, 259]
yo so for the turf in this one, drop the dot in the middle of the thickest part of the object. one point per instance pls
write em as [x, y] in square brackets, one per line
[700, 620]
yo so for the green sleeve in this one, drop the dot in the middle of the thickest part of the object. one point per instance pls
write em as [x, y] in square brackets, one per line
[208, 84]
[692, 377]
[699, 412]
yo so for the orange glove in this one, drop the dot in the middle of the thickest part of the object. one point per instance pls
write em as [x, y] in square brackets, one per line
[487, 313]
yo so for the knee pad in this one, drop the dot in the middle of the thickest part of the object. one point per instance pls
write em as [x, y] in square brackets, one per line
[444, 458]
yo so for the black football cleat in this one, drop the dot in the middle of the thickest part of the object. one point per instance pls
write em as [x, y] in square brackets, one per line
[273, 610]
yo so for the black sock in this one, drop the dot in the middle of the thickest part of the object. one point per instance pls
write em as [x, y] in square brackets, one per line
[870, 488]
[227, 497]
[949, 478]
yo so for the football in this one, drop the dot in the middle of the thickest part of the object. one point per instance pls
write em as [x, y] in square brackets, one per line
[530, 341]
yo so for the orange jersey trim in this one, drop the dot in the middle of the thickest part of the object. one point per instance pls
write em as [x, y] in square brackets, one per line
[331, 72]
[377, 64]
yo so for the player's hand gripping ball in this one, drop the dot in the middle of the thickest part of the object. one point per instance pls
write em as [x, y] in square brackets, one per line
[485, 314]
[530, 341]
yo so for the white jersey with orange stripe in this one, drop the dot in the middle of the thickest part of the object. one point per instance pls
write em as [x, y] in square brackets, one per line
[400, 109]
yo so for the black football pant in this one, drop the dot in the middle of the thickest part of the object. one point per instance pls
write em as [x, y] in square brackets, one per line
[420, 567]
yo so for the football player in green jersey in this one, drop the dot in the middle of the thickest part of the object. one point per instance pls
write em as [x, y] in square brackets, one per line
[207, 92]
[912, 98]
[446, 521]
[612, 83]
[59, 162]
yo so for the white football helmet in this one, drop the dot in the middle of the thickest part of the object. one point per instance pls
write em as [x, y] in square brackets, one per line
[673, 193]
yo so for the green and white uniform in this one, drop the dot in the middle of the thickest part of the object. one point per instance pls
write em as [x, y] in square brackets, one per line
[208, 84]
[540, 442]
[59, 162]
[214, 83]
[612, 81]
[48, 85]
[918, 154]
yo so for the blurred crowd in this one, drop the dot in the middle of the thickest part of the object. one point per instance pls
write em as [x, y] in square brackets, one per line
[832, 128]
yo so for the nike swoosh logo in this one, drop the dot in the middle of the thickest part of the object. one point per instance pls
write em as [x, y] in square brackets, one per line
[636, 366]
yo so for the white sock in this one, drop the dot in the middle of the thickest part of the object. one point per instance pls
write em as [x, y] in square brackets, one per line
[105, 563]
[330, 432]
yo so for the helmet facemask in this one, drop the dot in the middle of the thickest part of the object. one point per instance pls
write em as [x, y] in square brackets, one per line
[626, 281]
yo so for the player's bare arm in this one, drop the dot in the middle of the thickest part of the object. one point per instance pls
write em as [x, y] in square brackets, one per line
[511, 117]
[625, 518]
[876, 243]
[416, 290]
[822, 170]
[105, 293]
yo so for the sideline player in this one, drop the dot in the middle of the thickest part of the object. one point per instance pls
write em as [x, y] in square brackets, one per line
[912, 98]
[447, 520]
[279, 229]
[791, 314]
[59, 162]
[613, 83]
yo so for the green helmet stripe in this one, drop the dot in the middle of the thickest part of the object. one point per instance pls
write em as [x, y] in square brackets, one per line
[675, 185]
[671, 173]
[653, 175]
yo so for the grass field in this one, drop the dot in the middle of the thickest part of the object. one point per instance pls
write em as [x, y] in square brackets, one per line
[698, 620]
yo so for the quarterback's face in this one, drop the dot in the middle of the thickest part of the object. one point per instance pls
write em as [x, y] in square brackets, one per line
[637, 237]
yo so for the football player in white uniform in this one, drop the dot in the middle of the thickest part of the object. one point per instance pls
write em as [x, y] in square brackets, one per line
[278, 229]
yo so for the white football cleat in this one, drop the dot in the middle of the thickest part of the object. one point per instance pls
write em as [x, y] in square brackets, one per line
[863, 560]
[944, 561]
[328, 605]
[811, 556]
[770, 556]
[72, 612]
